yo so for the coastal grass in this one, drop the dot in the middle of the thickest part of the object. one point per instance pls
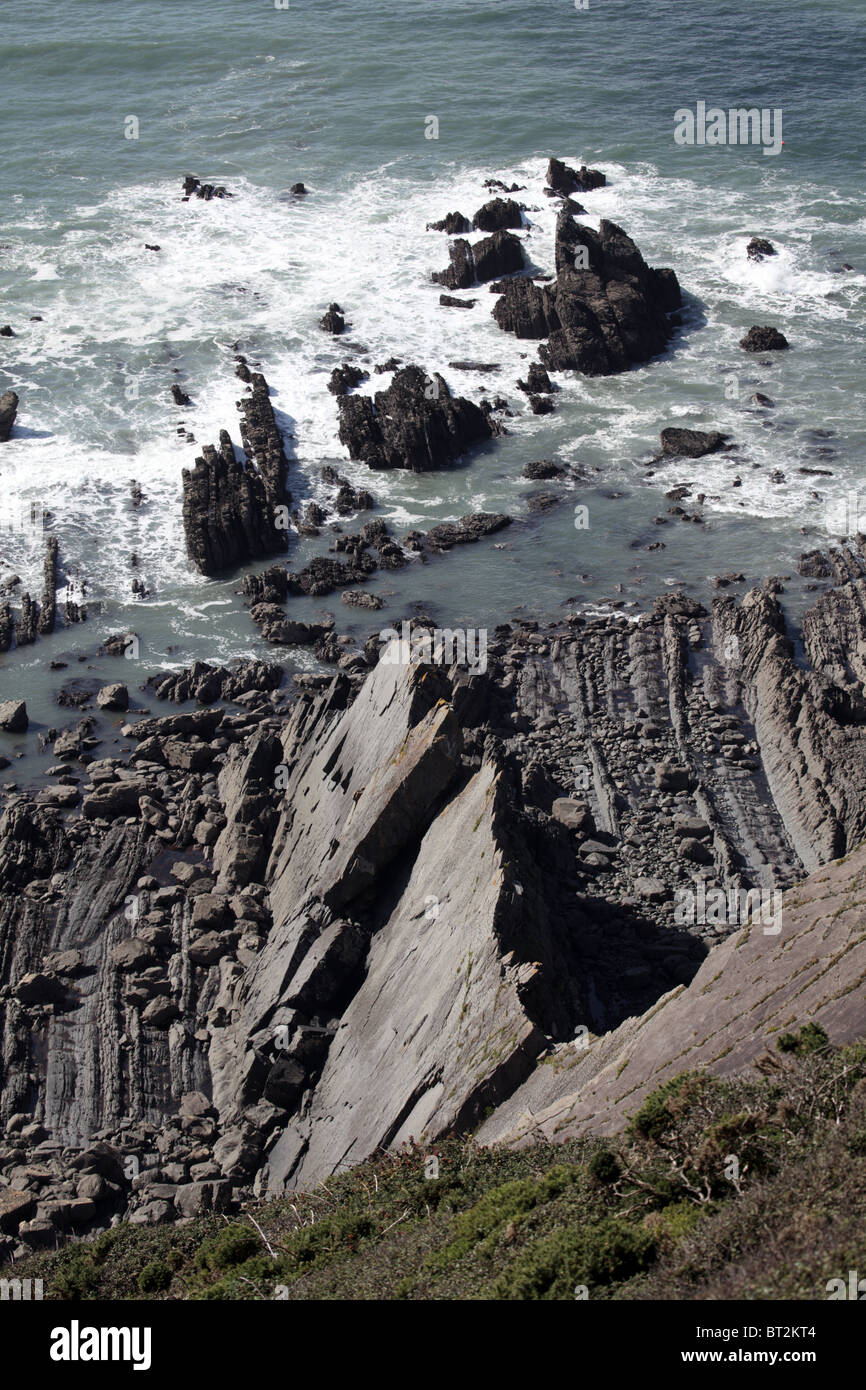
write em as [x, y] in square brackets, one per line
[746, 1187]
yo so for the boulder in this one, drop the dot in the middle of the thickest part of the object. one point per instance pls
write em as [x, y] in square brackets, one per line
[113, 697]
[13, 716]
[766, 339]
[693, 444]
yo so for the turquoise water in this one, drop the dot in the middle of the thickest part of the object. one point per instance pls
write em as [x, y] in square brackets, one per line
[338, 95]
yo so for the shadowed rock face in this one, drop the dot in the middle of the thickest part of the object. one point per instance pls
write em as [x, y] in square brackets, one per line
[372, 911]
[230, 508]
[416, 423]
[607, 309]
[744, 996]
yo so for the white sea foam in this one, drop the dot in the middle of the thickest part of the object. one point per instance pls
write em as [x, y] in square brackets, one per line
[259, 270]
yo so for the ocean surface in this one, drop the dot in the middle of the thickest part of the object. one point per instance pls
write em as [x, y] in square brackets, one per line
[339, 95]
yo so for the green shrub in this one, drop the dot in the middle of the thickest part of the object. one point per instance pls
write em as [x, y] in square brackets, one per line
[604, 1166]
[230, 1247]
[596, 1256]
[155, 1277]
[811, 1038]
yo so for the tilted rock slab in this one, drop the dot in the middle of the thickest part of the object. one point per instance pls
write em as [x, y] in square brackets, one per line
[750, 989]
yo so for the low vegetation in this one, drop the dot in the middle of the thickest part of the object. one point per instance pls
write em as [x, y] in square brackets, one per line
[719, 1188]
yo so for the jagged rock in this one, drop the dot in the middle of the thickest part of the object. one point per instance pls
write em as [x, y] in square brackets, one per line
[230, 510]
[815, 565]
[564, 180]
[448, 301]
[537, 381]
[333, 321]
[8, 411]
[416, 424]
[542, 469]
[454, 223]
[499, 254]
[497, 215]
[48, 611]
[765, 339]
[598, 320]
[345, 378]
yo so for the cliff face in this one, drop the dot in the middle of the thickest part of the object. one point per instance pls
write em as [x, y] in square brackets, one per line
[749, 990]
[282, 932]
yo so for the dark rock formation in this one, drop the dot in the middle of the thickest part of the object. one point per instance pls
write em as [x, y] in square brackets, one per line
[230, 509]
[499, 254]
[542, 469]
[333, 321]
[178, 396]
[416, 423]
[454, 224]
[497, 215]
[8, 411]
[537, 381]
[759, 247]
[48, 612]
[562, 179]
[206, 191]
[598, 320]
[448, 301]
[345, 378]
[692, 444]
[766, 339]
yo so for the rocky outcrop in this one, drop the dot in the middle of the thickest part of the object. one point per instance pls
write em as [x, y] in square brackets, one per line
[563, 180]
[746, 994]
[496, 216]
[454, 223]
[245, 951]
[766, 339]
[499, 254]
[416, 423]
[607, 309]
[48, 612]
[334, 320]
[230, 508]
[8, 412]
[206, 191]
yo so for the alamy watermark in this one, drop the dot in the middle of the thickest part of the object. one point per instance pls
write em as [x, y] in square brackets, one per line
[435, 647]
[739, 125]
[716, 908]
